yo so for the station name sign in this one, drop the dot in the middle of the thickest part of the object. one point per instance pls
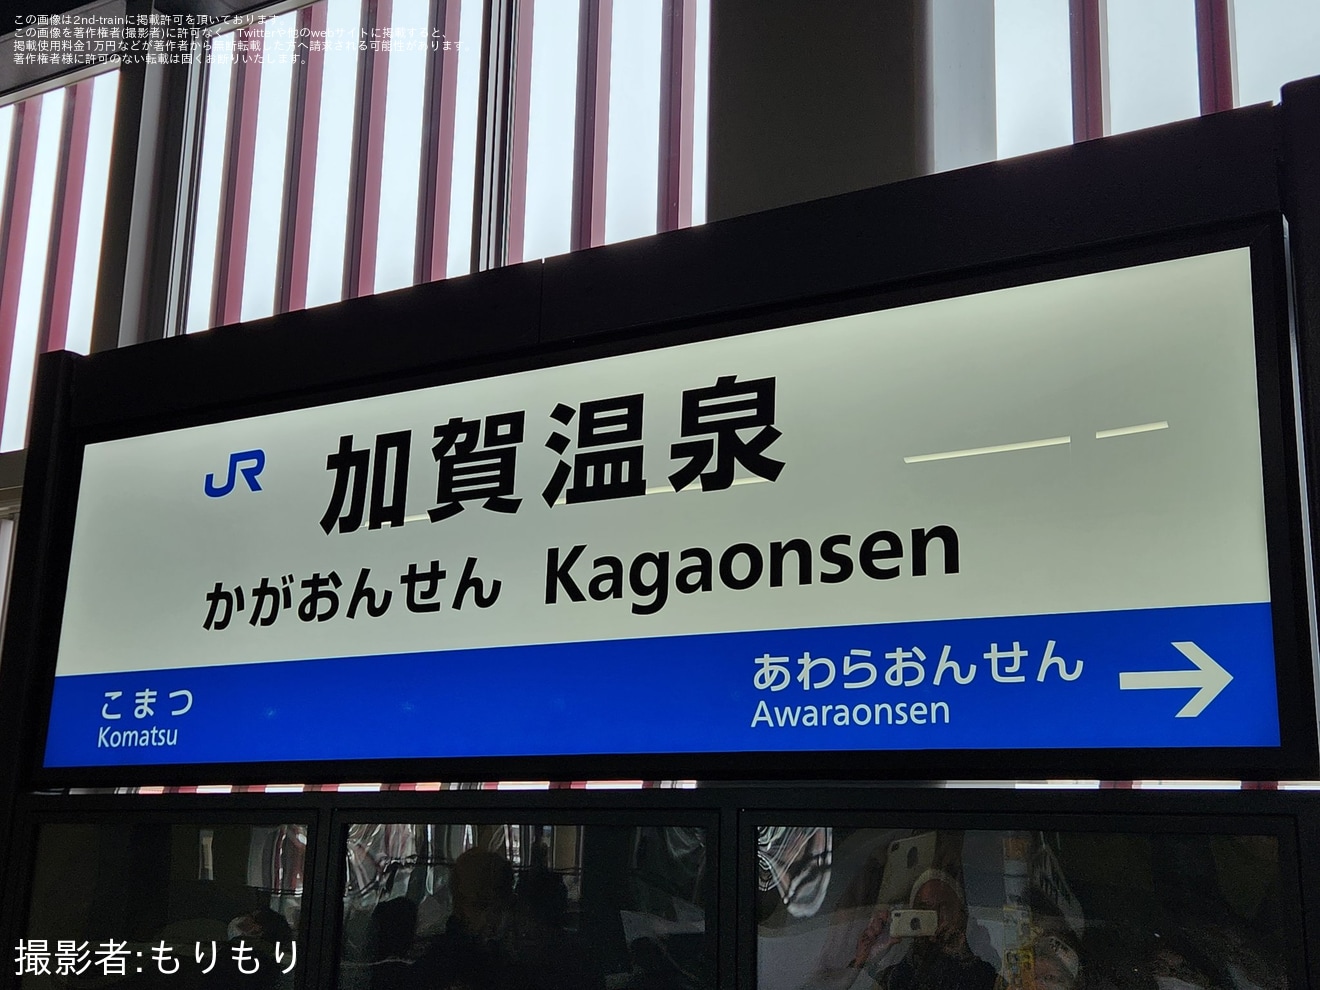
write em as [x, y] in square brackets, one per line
[1025, 518]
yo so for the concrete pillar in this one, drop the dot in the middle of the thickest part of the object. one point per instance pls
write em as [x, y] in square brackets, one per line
[812, 99]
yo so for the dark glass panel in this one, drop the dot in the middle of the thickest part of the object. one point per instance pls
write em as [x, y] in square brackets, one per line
[159, 905]
[543, 907]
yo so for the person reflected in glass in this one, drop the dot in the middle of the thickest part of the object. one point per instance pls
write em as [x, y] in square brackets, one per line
[923, 947]
[554, 957]
[476, 949]
[393, 927]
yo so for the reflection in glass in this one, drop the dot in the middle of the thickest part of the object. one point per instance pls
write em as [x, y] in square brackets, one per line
[909, 909]
[526, 906]
[147, 906]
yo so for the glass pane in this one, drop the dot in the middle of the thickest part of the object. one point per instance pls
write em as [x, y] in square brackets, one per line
[263, 235]
[206, 222]
[7, 527]
[466, 98]
[960, 85]
[1277, 41]
[700, 115]
[19, 393]
[904, 907]
[224, 897]
[633, 148]
[91, 215]
[334, 152]
[551, 116]
[396, 242]
[6, 136]
[1152, 63]
[549, 906]
[1033, 76]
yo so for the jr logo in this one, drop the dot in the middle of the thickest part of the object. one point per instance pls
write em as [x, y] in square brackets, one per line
[255, 461]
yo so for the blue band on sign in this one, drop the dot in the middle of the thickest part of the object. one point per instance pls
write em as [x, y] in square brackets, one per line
[1198, 676]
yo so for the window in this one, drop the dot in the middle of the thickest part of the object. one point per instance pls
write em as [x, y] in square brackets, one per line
[1276, 41]
[486, 903]
[329, 141]
[54, 164]
[922, 906]
[613, 109]
[172, 901]
[1089, 68]
[1032, 83]
[606, 129]
[1152, 63]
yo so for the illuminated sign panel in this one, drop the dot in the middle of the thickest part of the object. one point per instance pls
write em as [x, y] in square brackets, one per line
[1026, 518]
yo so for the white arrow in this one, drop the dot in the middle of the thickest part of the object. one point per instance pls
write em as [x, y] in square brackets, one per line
[1209, 678]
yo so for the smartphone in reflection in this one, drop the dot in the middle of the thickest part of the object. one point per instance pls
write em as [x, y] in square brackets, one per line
[909, 923]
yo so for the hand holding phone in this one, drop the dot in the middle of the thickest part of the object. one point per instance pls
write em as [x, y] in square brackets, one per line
[875, 939]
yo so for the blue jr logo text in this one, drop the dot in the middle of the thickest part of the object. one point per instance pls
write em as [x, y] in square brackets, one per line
[254, 461]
